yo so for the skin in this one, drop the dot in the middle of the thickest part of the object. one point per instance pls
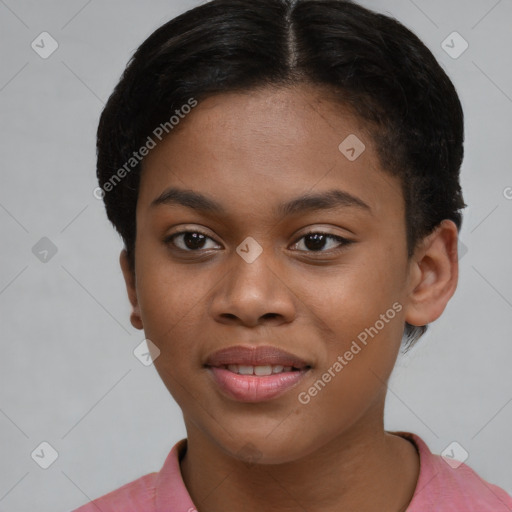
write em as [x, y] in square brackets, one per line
[251, 152]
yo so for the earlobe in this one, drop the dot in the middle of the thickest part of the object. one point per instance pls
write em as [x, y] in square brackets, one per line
[433, 275]
[129, 278]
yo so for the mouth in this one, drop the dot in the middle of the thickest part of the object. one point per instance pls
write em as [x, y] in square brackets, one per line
[255, 374]
[260, 370]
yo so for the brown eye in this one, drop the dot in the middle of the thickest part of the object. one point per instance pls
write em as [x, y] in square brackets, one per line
[190, 241]
[317, 241]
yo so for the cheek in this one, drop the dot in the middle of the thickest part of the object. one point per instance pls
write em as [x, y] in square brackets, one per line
[353, 298]
[168, 294]
[362, 308]
[172, 321]
[351, 384]
[172, 303]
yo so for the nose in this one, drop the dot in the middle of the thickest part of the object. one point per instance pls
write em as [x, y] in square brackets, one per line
[253, 293]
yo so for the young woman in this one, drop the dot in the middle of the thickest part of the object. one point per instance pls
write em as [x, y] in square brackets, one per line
[285, 176]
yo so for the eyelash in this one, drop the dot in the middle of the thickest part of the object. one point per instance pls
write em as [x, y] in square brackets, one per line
[343, 241]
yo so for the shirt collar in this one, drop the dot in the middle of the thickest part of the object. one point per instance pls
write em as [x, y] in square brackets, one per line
[172, 494]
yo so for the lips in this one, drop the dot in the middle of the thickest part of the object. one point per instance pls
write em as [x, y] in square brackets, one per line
[255, 356]
[255, 374]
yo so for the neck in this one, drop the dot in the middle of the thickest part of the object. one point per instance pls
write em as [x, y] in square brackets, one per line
[364, 469]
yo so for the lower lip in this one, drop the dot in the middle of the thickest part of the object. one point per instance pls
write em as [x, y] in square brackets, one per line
[251, 388]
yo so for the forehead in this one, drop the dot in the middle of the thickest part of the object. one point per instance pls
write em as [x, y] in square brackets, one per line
[279, 117]
[267, 144]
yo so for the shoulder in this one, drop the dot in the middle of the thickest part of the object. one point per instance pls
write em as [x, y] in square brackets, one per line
[149, 493]
[447, 485]
[136, 496]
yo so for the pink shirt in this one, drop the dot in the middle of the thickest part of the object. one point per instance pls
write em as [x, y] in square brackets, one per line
[440, 488]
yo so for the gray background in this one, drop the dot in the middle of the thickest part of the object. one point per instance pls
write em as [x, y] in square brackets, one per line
[68, 375]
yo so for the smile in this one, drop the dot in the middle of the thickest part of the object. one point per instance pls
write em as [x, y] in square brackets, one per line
[258, 370]
[255, 373]
[245, 383]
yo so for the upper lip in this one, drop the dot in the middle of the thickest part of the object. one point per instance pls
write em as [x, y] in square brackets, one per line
[255, 356]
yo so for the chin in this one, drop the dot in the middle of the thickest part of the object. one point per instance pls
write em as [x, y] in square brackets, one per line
[262, 448]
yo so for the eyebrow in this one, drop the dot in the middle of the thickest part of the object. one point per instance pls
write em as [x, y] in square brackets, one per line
[328, 200]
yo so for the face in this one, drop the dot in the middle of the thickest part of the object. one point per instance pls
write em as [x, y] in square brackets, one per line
[320, 280]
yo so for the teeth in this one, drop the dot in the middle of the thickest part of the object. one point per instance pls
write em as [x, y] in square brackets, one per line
[257, 370]
[263, 370]
[245, 370]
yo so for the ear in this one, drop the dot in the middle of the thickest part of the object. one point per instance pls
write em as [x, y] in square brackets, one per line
[129, 278]
[433, 276]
